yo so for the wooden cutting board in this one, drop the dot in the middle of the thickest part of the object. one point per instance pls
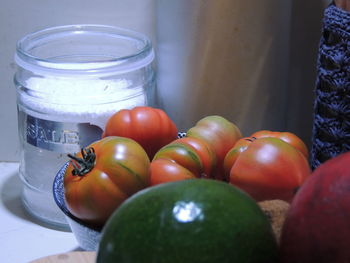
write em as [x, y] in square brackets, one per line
[71, 257]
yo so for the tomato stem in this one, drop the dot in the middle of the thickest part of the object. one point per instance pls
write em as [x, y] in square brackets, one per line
[85, 164]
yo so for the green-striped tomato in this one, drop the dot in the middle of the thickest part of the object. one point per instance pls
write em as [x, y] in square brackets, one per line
[288, 137]
[267, 168]
[182, 159]
[165, 171]
[220, 134]
[103, 175]
[242, 144]
[182, 154]
[232, 155]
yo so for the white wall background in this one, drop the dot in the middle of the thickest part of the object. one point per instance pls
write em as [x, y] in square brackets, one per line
[19, 17]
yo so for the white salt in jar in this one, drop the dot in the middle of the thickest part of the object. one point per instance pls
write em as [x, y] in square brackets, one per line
[69, 81]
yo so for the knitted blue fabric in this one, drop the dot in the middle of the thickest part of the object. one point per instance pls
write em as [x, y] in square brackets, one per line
[331, 128]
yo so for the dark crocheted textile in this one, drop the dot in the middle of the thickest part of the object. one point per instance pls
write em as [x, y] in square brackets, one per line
[331, 130]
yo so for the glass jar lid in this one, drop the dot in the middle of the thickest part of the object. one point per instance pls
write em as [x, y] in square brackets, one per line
[84, 49]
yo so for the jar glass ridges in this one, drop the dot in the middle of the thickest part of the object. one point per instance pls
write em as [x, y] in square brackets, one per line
[69, 81]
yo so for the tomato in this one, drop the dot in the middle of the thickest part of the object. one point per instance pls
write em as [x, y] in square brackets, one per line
[220, 134]
[183, 155]
[243, 143]
[103, 175]
[268, 168]
[165, 170]
[232, 155]
[204, 151]
[288, 137]
[150, 127]
[193, 154]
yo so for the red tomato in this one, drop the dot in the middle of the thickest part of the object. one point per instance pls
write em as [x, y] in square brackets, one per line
[288, 137]
[103, 175]
[165, 170]
[269, 168]
[220, 134]
[150, 127]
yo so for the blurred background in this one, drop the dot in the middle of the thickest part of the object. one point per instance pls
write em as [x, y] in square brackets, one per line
[253, 62]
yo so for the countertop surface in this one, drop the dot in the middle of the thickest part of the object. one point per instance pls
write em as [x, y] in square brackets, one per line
[22, 238]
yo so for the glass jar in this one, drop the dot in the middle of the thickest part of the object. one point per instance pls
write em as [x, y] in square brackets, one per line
[69, 81]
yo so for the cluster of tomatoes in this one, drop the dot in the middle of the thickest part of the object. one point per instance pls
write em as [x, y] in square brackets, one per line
[140, 148]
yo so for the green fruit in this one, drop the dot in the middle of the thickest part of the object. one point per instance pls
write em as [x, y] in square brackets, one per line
[195, 220]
